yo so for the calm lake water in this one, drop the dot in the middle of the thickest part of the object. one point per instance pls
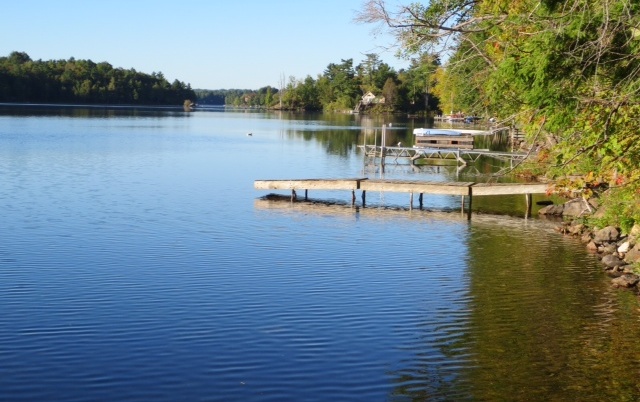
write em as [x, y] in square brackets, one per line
[137, 262]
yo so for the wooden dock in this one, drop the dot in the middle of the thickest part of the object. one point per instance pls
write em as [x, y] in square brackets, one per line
[464, 189]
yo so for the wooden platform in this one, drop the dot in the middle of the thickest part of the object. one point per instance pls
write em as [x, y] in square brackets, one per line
[445, 141]
[464, 189]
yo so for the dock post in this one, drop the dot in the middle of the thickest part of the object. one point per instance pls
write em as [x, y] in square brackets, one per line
[306, 193]
[470, 203]
[353, 197]
[529, 202]
[420, 200]
[294, 196]
[411, 201]
[364, 198]
[383, 144]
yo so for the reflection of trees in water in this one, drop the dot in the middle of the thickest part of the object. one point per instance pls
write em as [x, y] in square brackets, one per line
[540, 323]
[343, 132]
[335, 141]
[534, 295]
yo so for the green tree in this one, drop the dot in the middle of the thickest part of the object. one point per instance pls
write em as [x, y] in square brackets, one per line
[566, 72]
[340, 89]
[390, 92]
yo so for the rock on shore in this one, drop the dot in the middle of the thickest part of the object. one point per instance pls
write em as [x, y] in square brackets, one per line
[618, 252]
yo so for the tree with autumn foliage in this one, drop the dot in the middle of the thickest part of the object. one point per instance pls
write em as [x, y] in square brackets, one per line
[565, 72]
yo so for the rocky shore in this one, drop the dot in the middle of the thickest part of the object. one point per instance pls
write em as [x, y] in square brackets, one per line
[618, 252]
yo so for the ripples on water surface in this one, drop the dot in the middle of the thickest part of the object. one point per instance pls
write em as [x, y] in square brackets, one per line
[137, 263]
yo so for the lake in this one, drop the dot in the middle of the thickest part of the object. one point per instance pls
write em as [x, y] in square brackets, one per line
[137, 262]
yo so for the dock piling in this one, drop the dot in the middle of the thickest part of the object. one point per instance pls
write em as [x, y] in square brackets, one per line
[470, 202]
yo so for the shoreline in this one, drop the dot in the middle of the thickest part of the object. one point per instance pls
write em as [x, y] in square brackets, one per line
[618, 252]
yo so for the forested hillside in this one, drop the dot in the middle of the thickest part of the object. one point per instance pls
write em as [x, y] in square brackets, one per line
[83, 81]
[340, 87]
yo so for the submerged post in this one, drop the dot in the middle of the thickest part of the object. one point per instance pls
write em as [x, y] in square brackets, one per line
[470, 203]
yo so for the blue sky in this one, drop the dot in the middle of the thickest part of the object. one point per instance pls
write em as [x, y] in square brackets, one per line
[210, 44]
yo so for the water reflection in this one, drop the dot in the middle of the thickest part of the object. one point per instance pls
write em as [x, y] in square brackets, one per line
[532, 323]
[90, 111]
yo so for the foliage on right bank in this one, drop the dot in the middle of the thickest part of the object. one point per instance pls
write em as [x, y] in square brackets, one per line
[565, 72]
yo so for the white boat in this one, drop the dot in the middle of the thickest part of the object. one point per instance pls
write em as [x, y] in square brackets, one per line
[434, 131]
[442, 139]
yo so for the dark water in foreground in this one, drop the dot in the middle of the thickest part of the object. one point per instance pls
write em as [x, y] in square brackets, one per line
[137, 262]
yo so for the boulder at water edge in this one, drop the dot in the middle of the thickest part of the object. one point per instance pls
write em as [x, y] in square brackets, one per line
[551, 210]
[606, 235]
[626, 281]
[612, 261]
[632, 256]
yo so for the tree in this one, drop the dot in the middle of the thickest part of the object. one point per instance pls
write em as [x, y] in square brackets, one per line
[419, 81]
[19, 58]
[366, 71]
[340, 89]
[390, 92]
[566, 72]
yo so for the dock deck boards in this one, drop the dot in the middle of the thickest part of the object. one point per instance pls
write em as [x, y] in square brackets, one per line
[309, 184]
[508, 188]
[407, 186]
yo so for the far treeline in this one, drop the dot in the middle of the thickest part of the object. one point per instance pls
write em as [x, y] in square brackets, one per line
[341, 87]
[83, 81]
